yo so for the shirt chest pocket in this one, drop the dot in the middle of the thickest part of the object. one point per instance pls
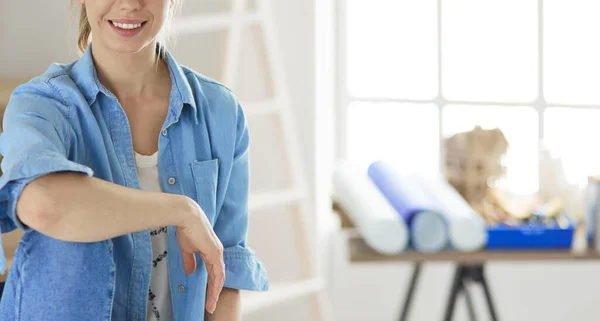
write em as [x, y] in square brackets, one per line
[205, 175]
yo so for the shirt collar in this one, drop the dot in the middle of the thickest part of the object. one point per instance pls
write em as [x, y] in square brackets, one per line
[85, 76]
[180, 88]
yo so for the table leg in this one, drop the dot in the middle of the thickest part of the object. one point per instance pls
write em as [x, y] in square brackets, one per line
[469, 300]
[410, 291]
[457, 283]
[463, 274]
[488, 297]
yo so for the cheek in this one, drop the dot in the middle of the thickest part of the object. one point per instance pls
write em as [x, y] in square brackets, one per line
[97, 9]
[91, 12]
[160, 12]
[162, 7]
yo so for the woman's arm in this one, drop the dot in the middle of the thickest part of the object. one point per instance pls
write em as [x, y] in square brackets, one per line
[228, 307]
[79, 208]
[42, 189]
[74, 207]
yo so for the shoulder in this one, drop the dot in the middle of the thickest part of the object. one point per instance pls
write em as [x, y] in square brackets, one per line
[213, 95]
[56, 83]
[46, 94]
[220, 104]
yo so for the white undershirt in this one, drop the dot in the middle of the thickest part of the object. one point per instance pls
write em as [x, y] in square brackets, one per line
[159, 296]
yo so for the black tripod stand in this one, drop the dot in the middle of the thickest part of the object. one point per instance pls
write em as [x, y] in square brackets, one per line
[464, 273]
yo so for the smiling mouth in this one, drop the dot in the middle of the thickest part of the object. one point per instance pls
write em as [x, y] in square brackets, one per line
[127, 26]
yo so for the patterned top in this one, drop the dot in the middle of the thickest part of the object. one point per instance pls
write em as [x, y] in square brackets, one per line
[159, 297]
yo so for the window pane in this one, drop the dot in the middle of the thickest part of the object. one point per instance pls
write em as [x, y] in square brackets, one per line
[489, 50]
[392, 48]
[520, 127]
[571, 51]
[572, 135]
[406, 135]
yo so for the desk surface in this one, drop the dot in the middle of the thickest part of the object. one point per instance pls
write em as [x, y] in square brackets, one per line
[359, 251]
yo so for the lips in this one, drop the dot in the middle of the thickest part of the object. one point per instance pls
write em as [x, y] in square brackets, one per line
[127, 27]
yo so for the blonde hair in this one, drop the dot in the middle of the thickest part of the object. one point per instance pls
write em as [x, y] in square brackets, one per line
[85, 29]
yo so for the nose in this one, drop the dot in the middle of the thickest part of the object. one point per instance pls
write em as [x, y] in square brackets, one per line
[130, 5]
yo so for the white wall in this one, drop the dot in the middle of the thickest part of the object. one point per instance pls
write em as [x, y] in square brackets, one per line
[33, 34]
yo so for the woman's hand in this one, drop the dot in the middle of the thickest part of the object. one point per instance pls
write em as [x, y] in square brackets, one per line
[196, 235]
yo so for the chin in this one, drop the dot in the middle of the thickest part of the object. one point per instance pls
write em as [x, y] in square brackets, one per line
[129, 47]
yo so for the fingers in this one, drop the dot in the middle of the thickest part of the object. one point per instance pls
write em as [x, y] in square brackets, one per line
[189, 262]
[187, 252]
[216, 278]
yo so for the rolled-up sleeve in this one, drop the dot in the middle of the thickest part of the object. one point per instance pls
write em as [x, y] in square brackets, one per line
[34, 142]
[243, 270]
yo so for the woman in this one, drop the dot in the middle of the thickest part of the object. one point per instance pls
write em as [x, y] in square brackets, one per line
[129, 175]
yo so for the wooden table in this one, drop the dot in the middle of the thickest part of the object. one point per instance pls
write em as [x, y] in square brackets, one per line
[470, 267]
[361, 252]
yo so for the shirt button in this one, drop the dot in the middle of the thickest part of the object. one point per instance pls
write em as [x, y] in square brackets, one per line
[172, 180]
[181, 289]
[164, 132]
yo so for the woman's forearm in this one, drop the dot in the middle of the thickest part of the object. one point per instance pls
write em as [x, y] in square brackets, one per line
[228, 307]
[78, 208]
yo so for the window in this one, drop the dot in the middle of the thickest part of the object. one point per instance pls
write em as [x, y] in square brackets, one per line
[408, 128]
[412, 73]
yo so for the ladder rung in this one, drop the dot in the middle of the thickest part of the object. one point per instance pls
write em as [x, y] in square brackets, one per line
[209, 22]
[261, 108]
[261, 200]
[280, 293]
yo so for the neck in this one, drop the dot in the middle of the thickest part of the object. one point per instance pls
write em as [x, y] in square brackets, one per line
[129, 74]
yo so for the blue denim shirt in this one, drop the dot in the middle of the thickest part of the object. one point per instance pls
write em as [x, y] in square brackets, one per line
[65, 120]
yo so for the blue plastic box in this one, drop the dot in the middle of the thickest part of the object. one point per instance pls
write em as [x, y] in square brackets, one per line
[530, 237]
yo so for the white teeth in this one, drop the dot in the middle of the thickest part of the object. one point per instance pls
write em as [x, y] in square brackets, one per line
[127, 25]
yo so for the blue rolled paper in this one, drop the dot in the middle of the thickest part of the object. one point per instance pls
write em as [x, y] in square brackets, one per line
[467, 230]
[415, 206]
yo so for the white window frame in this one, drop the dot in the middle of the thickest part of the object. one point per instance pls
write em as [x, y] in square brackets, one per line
[343, 98]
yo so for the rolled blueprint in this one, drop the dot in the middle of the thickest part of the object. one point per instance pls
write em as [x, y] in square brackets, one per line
[427, 226]
[467, 230]
[374, 217]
